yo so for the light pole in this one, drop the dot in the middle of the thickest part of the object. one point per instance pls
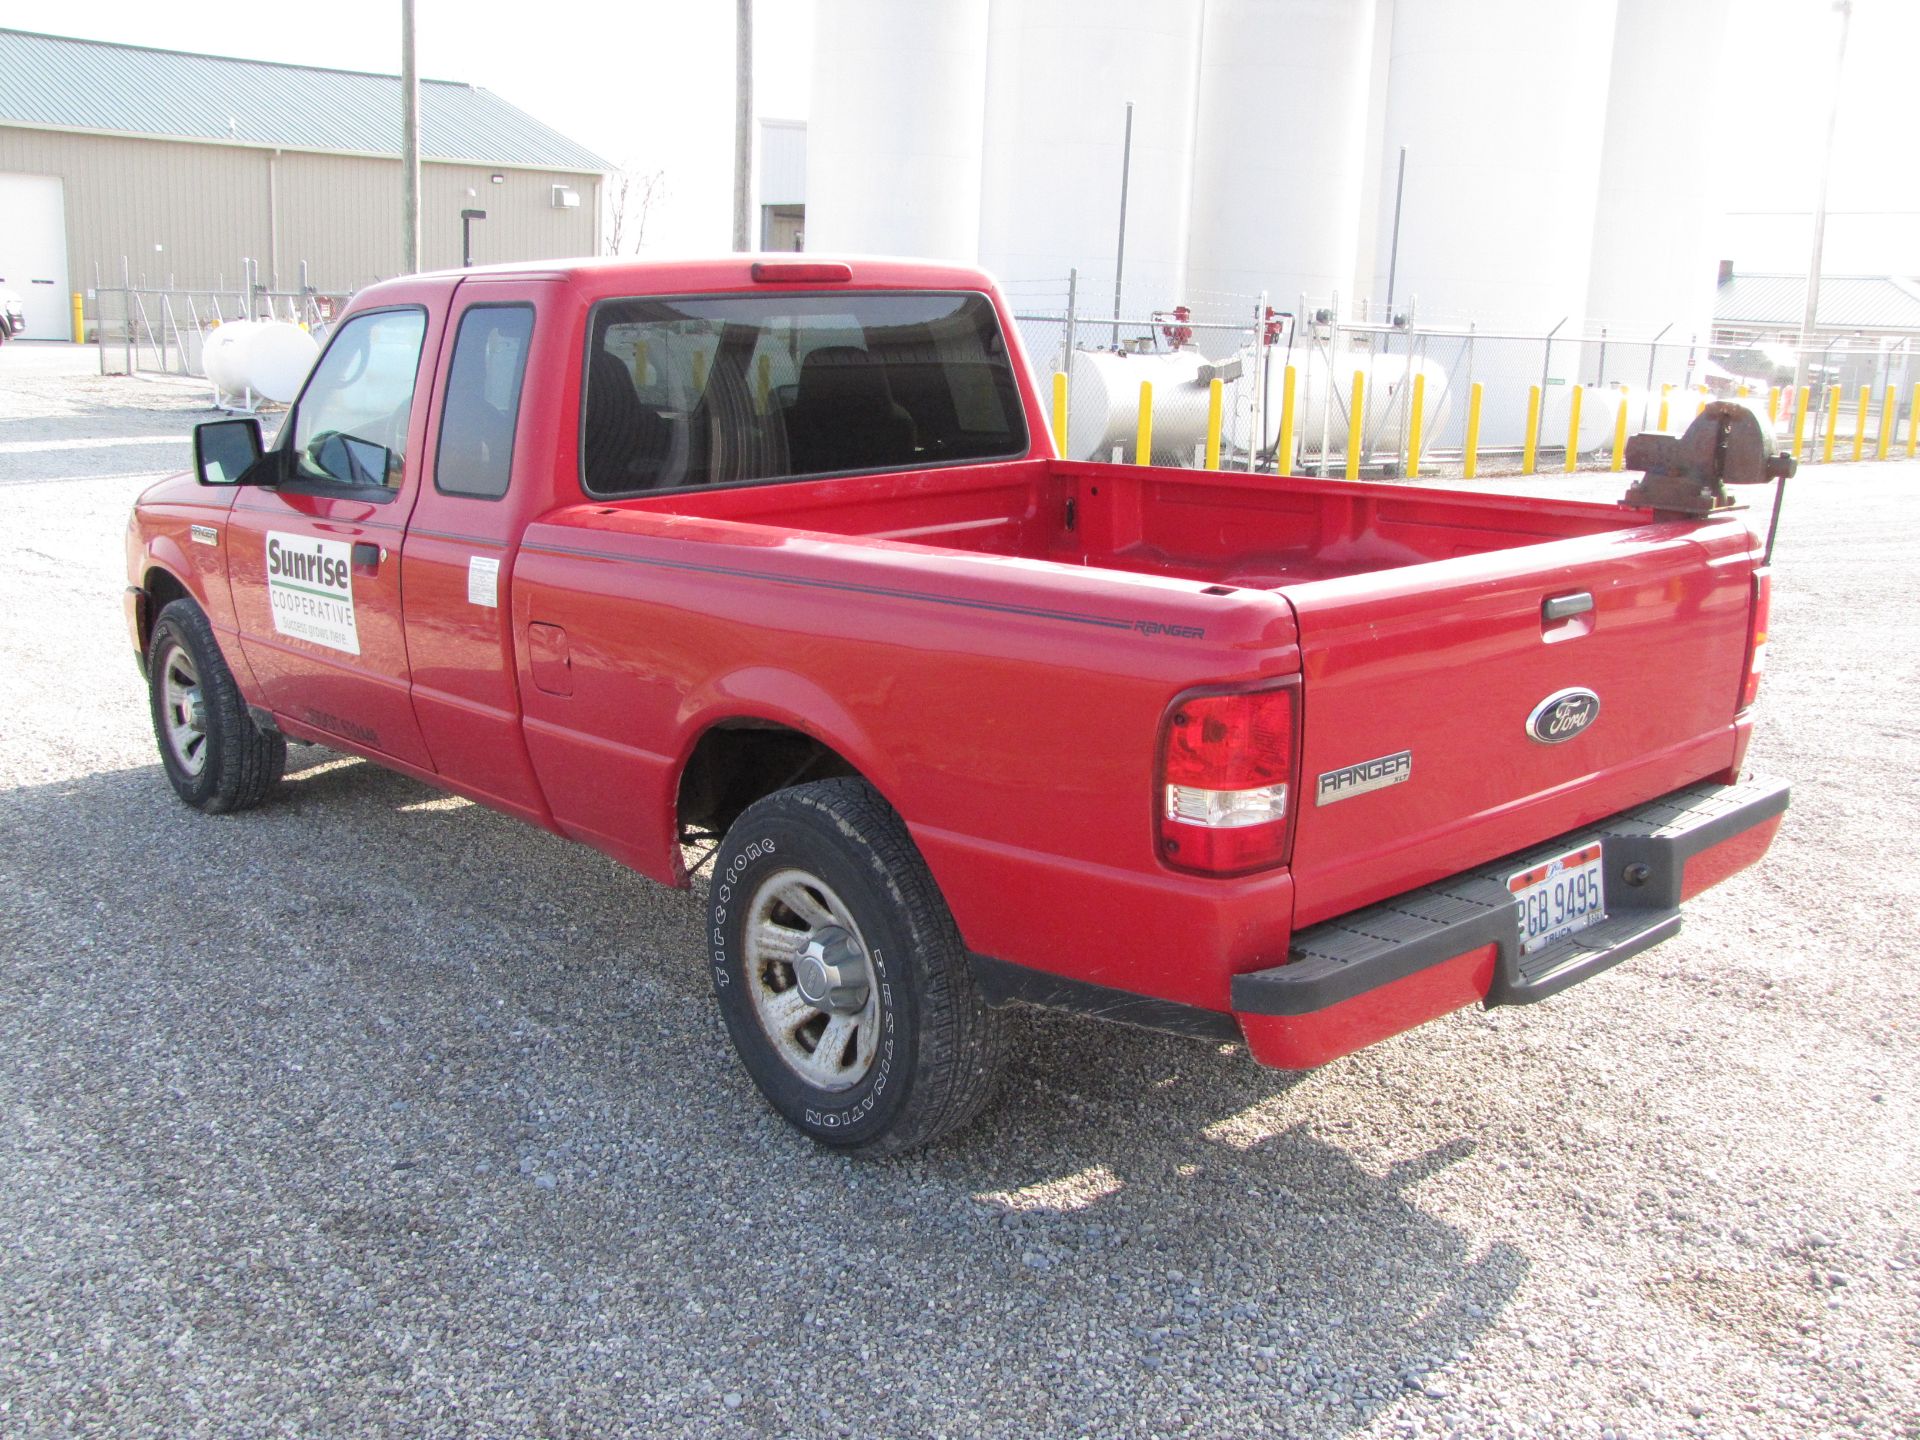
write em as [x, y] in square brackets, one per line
[409, 143]
[1809, 317]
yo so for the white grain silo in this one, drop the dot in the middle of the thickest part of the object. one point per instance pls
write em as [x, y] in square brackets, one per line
[1653, 252]
[1059, 76]
[1280, 149]
[894, 136]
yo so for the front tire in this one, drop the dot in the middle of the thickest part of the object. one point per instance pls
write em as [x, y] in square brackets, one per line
[841, 976]
[216, 758]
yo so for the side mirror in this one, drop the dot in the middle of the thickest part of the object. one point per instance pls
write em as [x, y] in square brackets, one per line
[224, 450]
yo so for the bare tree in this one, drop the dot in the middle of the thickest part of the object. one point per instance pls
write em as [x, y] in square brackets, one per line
[631, 195]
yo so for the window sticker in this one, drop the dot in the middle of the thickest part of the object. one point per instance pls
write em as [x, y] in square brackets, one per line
[310, 588]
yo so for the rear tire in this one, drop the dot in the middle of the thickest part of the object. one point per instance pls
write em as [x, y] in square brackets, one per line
[841, 975]
[216, 758]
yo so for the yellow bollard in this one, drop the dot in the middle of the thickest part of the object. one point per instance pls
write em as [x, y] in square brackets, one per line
[1413, 424]
[1060, 413]
[1620, 437]
[699, 371]
[1913, 423]
[79, 319]
[765, 369]
[1743, 392]
[1666, 394]
[1802, 394]
[1213, 424]
[1354, 428]
[1143, 437]
[1773, 405]
[1474, 393]
[1283, 452]
[1532, 448]
[640, 363]
[1701, 403]
[1888, 413]
[1573, 427]
[1833, 423]
[1860, 404]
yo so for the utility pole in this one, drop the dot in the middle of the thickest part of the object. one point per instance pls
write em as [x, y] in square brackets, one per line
[1120, 246]
[742, 120]
[409, 142]
[1808, 318]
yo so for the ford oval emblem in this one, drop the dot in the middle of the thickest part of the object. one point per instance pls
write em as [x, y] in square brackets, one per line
[1563, 715]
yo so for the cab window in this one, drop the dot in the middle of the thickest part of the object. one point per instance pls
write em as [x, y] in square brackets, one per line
[351, 424]
[724, 390]
[475, 454]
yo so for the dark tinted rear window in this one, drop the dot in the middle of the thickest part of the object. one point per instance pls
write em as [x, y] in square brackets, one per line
[740, 388]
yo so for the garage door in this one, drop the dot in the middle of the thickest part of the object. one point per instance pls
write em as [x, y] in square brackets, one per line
[33, 252]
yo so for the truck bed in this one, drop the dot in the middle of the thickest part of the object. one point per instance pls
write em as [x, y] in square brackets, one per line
[1216, 528]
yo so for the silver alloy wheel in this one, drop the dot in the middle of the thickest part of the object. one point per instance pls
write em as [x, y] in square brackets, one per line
[183, 710]
[810, 980]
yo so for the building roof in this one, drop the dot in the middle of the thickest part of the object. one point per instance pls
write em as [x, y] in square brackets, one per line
[53, 82]
[1847, 302]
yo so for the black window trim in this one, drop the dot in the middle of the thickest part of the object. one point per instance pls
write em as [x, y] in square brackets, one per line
[519, 397]
[586, 361]
[343, 489]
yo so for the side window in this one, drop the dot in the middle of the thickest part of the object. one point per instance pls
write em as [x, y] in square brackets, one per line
[475, 454]
[351, 424]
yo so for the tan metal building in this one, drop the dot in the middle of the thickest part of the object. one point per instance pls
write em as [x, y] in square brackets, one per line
[181, 167]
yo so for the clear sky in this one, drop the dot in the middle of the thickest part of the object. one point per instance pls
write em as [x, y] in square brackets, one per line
[651, 83]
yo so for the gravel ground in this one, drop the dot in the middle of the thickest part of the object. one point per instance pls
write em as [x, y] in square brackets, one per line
[374, 1113]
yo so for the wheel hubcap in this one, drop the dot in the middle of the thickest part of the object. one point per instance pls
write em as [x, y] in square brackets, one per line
[183, 711]
[811, 980]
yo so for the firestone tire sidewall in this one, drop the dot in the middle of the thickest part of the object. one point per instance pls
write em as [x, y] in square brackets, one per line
[755, 848]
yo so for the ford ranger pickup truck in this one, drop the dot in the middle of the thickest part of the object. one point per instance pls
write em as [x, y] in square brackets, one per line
[770, 565]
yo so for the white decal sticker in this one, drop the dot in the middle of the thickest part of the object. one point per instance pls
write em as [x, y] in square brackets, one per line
[204, 535]
[483, 580]
[310, 587]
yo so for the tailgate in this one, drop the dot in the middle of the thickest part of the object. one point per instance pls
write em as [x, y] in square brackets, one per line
[1419, 684]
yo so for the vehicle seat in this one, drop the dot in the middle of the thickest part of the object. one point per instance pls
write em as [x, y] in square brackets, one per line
[626, 442]
[844, 416]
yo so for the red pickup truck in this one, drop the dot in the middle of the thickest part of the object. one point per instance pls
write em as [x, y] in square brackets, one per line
[770, 565]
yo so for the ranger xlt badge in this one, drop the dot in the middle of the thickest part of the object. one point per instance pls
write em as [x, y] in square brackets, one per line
[1352, 780]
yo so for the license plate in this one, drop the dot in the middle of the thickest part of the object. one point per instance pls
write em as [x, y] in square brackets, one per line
[1559, 898]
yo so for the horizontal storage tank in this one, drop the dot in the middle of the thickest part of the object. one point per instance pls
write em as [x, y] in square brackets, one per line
[1103, 404]
[894, 137]
[270, 358]
[1387, 396]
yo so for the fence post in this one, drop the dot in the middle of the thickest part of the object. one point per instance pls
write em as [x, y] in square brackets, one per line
[1532, 449]
[1143, 436]
[1413, 424]
[1214, 389]
[1833, 423]
[1573, 426]
[1801, 395]
[1620, 436]
[1860, 404]
[1889, 412]
[1060, 412]
[1283, 452]
[1355, 429]
[1474, 393]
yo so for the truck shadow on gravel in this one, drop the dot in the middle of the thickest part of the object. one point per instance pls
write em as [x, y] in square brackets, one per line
[455, 1078]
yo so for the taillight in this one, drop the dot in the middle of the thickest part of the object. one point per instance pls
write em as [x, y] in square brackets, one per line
[1226, 768]
[1757, 637]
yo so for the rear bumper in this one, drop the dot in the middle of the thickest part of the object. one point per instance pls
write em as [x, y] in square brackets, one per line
[1383, 969]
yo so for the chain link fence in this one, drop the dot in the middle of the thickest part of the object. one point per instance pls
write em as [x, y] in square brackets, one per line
[1489, 402]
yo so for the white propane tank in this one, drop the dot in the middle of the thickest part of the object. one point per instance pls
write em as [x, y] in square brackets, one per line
[1103, 404]
[1387, 376]
[270, 358]
[1599, 408]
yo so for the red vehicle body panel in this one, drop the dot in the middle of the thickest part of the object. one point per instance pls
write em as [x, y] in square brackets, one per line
[994, 647]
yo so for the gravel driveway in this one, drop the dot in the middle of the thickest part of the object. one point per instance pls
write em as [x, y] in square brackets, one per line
[374, 1113]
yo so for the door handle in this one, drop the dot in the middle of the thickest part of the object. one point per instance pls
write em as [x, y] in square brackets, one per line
[366, 555]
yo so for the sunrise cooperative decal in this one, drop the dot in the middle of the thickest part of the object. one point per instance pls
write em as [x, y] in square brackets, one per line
[310, 586]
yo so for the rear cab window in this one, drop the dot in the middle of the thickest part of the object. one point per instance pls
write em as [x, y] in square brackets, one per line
[738, 389]
[474, 456]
